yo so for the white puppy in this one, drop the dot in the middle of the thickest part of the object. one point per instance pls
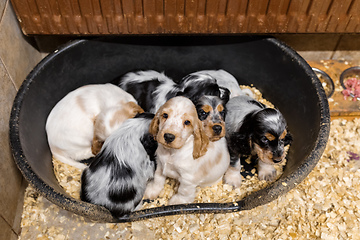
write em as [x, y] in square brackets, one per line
[70, 127]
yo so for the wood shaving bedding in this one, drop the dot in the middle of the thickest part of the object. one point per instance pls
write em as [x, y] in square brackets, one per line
[326, 205]
[69, 178]
[43, 220]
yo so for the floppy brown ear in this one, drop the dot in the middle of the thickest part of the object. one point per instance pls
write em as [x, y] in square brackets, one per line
[97, 142]
[96, 145]
[134, 107]
[154, 126]
[201, 140]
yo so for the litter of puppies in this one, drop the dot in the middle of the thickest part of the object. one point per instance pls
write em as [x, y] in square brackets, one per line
[196, 174]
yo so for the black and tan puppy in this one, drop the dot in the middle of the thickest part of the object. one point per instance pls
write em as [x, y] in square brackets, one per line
[254, 129]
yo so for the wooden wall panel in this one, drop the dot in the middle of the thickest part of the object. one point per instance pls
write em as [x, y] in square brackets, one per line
[103, 17]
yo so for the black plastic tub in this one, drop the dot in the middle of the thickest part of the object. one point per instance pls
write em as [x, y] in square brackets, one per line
[284, 78]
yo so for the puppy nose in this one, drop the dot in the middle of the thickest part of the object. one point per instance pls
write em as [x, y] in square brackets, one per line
[278, 153]
[169, 137]
[217, 129]
[277, 157]
[277, 160]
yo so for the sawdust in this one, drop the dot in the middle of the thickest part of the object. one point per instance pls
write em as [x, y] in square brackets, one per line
[69, 178]
[326, 205]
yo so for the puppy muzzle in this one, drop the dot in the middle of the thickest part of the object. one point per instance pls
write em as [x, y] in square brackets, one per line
[170, 141]
[278, 156]
[217, 131]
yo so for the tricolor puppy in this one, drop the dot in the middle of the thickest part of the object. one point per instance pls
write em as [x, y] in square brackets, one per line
[253, 129]
[117, 177]
[184, 152]
[211, 112]
[79, 123]
[210, 103]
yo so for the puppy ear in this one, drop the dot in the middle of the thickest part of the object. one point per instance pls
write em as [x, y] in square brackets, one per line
[99, 130]
[136, 109]
[150, 145]
[96, 145]
[288, 139]
[201, 140]
[154, 125]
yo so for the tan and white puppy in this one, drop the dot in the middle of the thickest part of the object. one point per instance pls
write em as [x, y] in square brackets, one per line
[79, 123]
[185, 152]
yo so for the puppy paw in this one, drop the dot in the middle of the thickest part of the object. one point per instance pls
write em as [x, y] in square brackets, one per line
[233, 177]
[178, 199]
[266, 172]
[152, 191]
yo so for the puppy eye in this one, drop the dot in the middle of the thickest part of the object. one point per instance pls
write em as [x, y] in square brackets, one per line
[222, 114]
[202, 113]
[165, 115]
[187, 122]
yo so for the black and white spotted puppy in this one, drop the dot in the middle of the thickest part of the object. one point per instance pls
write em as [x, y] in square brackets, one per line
[254, 129]
[117, 177]
[151, 88]
[224, 80]
[196, 85]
